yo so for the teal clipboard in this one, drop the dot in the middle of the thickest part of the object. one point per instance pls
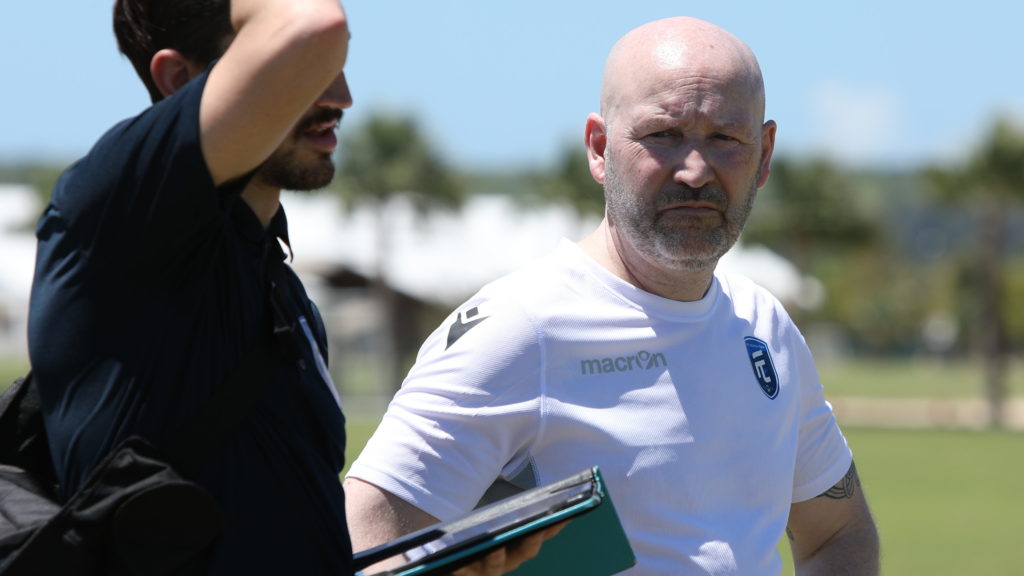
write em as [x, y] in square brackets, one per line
[581, 497]
[591, 545]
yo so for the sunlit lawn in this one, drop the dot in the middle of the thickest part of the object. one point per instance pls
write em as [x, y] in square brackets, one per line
[946, 503]
[922, 378]
[11, 368]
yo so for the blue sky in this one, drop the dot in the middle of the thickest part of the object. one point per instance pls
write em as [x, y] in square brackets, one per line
[508, 84]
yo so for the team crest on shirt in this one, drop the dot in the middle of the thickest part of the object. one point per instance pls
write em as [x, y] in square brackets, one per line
[764, 368]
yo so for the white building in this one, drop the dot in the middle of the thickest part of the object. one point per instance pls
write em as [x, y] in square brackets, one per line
[19, 209]
[445, 257]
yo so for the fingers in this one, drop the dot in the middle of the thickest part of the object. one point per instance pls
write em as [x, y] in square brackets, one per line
[529, 546]
[508, 558]
[553, 531]
[494, 564]
[523, 549]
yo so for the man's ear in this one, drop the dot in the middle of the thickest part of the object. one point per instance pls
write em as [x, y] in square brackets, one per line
[170, 70]
[767, 147]
[595, 137]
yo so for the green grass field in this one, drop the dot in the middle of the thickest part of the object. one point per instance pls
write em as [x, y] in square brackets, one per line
[946, 503]
[921, 378]
[11, 368]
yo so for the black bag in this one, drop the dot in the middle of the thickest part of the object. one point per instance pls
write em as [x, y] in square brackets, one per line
[133, 515]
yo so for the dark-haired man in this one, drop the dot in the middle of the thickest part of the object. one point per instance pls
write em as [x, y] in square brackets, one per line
[156, 256]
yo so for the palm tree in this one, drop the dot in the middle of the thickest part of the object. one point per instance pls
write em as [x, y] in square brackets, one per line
[386, 157]
[989, 182]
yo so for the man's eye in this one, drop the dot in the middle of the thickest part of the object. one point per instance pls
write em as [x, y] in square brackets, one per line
[660, 134]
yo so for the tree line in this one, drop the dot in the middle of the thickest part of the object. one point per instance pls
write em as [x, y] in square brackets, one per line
[921, 261]
[925, 261]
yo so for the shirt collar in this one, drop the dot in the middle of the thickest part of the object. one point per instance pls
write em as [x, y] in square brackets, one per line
[279, 229]
[250, 227]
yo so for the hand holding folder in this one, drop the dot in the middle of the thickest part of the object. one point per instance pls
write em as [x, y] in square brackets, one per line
[592, 544]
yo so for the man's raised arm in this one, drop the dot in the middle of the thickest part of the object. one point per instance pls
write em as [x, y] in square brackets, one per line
[284, 55]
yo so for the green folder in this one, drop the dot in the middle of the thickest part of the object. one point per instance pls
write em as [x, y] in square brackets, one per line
[592, 544]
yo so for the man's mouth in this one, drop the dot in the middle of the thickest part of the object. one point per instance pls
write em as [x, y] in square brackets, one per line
[693, 201]
[322, 127]
[693, 206]
[320, 130]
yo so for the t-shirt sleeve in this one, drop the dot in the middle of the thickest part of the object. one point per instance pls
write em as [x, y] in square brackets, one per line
[466, 414]
[142, 197]
[823, 456]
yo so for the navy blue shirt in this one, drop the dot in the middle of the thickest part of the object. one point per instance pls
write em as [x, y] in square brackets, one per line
[151, 284]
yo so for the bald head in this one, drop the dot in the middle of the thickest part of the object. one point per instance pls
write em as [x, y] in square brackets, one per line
[656, 54]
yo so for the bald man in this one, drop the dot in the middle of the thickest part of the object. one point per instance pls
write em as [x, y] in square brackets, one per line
[692, 389]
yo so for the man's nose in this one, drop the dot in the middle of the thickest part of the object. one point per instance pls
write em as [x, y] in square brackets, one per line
[337, 94]
[693, 168]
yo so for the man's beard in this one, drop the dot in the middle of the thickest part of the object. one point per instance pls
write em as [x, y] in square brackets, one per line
[287, 171]
[283, 170]
[692, 245]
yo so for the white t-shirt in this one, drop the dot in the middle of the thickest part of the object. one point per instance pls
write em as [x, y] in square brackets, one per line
[706, 418]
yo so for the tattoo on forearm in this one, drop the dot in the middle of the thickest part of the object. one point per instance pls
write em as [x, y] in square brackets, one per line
[846, 487]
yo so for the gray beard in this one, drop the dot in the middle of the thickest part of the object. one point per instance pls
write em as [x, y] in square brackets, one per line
[690, 247]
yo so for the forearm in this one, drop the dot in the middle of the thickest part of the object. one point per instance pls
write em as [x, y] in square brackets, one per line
[375, 516]
[854, 551]
[284, 54]
[309, 13]
[306, 39]
[835, 534]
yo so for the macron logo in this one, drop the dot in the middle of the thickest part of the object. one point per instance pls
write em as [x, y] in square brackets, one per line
[638, 361]
[464, 323]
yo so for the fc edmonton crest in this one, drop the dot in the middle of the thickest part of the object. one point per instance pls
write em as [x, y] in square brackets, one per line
[764, 368]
